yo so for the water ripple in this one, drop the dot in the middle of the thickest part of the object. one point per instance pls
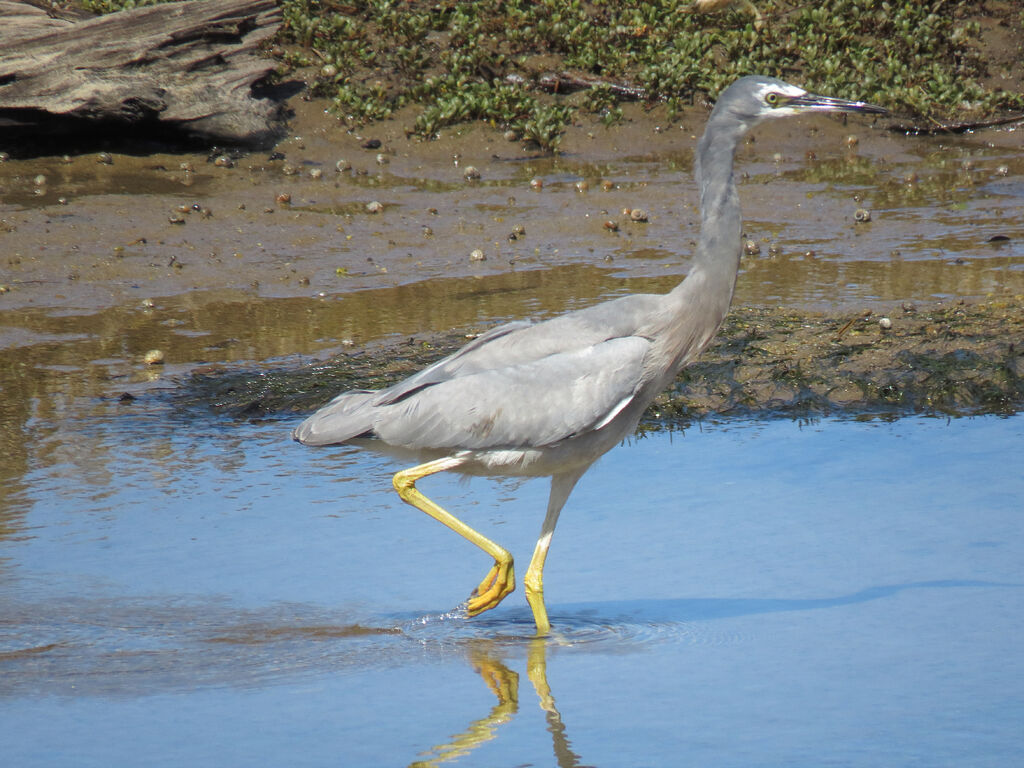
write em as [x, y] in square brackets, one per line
[601, 629]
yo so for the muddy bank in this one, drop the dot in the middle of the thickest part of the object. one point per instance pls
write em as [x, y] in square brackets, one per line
[94, 231]
[955, 359]
[268, 261]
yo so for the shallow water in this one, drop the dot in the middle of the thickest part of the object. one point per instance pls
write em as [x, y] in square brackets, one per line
[834, 592]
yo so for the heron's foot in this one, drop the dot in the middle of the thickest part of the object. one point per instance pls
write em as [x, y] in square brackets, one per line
[499, 583]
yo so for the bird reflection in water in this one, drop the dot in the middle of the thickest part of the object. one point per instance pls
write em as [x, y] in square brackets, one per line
[504, 684]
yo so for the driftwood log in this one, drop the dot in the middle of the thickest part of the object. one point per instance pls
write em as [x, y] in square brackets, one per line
[185, 69]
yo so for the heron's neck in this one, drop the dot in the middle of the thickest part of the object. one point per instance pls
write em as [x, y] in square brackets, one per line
[698, 305]
[721, 225]
[717, 259]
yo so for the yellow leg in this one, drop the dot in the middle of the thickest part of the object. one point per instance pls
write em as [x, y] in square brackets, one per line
[561, 487]
[534, 586]
[501, 579]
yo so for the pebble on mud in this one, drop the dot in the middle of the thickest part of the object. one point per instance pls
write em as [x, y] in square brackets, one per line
[153, 357]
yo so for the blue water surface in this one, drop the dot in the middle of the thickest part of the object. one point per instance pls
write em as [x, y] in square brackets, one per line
[176, 591]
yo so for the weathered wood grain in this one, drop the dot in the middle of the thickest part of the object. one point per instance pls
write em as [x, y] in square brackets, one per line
[185, 67]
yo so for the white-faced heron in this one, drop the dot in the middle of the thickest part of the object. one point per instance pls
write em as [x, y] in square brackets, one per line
[548, 399]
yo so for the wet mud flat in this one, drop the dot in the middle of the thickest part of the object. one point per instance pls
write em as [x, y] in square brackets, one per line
[834, 211]
[246, 267]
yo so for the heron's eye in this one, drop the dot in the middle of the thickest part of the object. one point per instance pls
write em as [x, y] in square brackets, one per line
[772, 99]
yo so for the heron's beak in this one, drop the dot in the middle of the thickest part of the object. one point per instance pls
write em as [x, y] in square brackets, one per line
[812, 101]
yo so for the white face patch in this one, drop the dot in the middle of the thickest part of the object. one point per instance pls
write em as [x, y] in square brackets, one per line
[781, 93]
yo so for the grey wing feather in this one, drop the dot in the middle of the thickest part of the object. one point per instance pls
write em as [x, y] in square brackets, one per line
[537, 403]
[351, 414]
[448, 367]
[500, 350]
[521, 342]
[347, 416]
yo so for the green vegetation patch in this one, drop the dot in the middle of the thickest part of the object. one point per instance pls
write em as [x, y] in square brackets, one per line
[485, 60]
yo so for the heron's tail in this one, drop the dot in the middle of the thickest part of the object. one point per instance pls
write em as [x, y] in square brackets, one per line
[347, 416]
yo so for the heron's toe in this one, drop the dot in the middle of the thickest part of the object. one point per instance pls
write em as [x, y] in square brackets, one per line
[499, 582]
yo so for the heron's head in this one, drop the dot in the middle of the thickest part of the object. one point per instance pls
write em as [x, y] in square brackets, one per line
[755, 98]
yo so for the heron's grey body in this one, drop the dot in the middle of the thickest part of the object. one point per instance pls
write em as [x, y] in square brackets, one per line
[550, 398]
[527, 399]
